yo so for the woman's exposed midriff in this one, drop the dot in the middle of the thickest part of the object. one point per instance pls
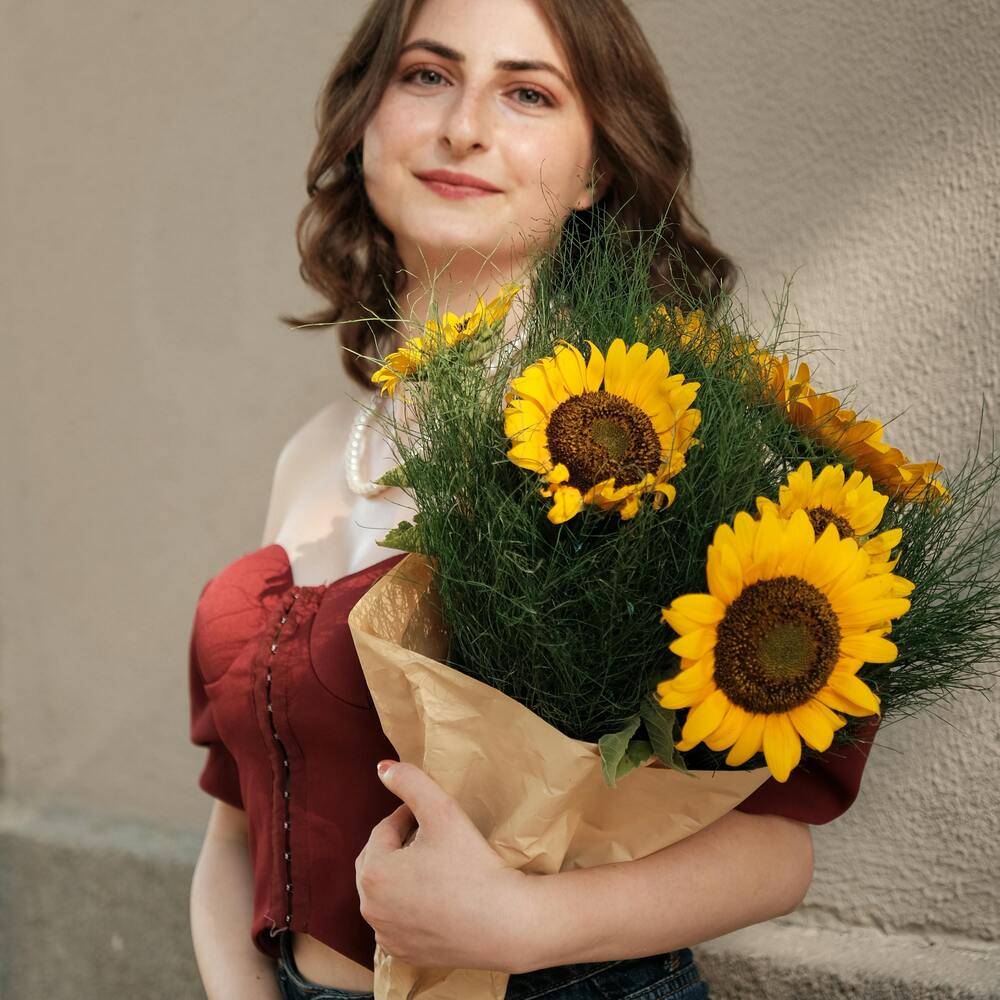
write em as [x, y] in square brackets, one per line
[321, 964]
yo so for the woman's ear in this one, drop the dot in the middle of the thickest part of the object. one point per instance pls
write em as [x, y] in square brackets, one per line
[596, 189]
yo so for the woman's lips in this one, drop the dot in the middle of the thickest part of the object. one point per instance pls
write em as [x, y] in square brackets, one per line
[455, 190]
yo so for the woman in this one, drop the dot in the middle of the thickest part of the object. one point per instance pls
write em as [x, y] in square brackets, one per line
[552, 111]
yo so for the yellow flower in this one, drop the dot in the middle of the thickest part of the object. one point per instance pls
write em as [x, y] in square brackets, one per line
[770, 655]
[692, 332]
[458, 328]
[401, 364]
[603, 431]
[822, 417]
[852, 505]
[412, 356]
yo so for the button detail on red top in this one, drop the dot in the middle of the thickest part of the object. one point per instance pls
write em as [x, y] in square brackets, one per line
[284, 760]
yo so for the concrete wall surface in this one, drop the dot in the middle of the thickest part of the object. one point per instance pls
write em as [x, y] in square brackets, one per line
[151, 169]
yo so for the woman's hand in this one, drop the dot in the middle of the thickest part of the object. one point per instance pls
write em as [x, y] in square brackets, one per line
[446, 898]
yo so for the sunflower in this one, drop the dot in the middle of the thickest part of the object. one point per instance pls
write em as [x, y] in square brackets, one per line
[603, 431]
[692, 332]
[453, 329]
[400, 365]
[823, 418]
[770, 655]
[851, 504]
[783, 387]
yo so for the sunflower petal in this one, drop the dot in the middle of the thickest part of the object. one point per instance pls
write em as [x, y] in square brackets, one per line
[855, 690]
[595, 368]
[867, 615]
[532, 384]
[681, 624]
[725, 577]
[826, 560]
[522, 420]
[634, 361]
[572, 367]
[615, 371]
[694, 677]
[702, 608]
[529, 456]
[812, 724]
[797, 542]
[728, 731]
[868, 646]
[670, 697]
[694, 645]
[782, 747]
[705, 717]
[834, 701]
[649, 381]
[866, 590]
[748, 742]
[566, 503]
[554, 379]
[558, 474]
[766, 549]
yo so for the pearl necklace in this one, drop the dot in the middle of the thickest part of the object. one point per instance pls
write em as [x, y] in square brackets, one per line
[355, 444]
[363, 420]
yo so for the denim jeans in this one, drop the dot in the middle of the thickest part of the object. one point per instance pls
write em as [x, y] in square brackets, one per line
[672, 975]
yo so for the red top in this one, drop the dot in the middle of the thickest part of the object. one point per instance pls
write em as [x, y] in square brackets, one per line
[279, 699]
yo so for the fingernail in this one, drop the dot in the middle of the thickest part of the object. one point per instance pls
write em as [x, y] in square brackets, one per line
[383, 768]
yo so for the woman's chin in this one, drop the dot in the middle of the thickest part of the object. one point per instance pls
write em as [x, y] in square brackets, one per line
[438, 241]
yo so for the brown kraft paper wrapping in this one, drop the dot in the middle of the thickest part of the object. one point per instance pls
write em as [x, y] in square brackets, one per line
[537, 796]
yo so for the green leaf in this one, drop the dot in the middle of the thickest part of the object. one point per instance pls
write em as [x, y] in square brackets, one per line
[404, 536]
[615, 762]
[660, 723]
[395, 476]
[639, 751]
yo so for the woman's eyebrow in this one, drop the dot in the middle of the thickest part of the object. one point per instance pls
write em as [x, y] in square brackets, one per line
[515, 65]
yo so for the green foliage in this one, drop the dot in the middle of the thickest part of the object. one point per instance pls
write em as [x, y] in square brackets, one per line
[616, 761]
[949, 638]
[566, 618]
[405, 537]
[395, 476]
[661, 727]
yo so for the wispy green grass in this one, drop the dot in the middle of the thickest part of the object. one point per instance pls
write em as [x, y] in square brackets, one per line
[566, 618]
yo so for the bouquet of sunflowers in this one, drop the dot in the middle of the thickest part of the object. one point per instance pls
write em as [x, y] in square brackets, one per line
[650, 569]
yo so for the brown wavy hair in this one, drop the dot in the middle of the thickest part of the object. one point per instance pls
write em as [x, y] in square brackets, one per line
[641, 144]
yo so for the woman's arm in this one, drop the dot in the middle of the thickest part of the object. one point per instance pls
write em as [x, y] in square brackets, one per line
[740, 870]
[447, 898]
[222, 911]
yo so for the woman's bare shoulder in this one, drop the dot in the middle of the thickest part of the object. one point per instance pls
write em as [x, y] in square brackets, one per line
[313, 442]
[323, 428]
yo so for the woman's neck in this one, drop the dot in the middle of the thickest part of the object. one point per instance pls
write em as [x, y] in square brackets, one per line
[420, 302]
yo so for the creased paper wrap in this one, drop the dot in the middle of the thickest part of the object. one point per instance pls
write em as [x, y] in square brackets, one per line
[537, 796]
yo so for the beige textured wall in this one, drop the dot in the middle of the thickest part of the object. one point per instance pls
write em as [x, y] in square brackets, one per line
[151, 167]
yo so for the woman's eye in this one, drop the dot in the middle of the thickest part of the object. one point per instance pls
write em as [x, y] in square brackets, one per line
[414, 73]
[530, 90]
[543, 101]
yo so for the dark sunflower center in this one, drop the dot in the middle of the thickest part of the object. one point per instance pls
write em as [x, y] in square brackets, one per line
[600, 434]
[822, 516]
[612, 437]
[777, 645]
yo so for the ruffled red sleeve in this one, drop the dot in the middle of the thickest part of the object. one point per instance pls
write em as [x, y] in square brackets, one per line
[821, 788]
[220, 775]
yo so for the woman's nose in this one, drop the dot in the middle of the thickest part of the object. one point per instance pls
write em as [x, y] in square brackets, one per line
[465, 124]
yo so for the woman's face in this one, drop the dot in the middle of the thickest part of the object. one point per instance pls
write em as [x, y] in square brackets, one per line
[450, 106]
